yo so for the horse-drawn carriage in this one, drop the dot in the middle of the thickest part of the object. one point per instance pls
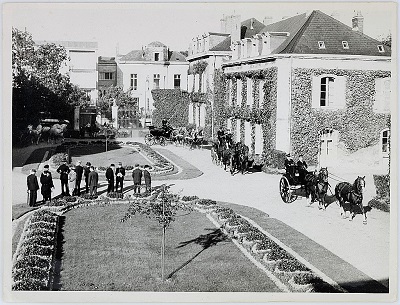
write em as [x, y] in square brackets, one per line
[158, 135]
[297, 181]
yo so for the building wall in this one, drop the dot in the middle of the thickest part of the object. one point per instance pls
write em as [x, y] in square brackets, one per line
[355, 124]
[103, 84]
[145, 74]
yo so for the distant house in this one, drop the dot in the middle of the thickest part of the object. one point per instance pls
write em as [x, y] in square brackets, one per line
[81, 66]
[206, 53]
[153, 67]
[107, 73]
[312, 86]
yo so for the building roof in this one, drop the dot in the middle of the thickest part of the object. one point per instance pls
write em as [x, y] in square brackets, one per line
[176, 56]
[224, 45]
[108, 60]
[141, 55]
[306, 30]
[156, 44]
[250, 27]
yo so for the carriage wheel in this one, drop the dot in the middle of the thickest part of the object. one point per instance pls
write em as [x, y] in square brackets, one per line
[285, 191]
[162, 141]
[149, 139]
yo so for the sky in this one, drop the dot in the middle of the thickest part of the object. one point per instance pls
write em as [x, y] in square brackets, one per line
[133, 25]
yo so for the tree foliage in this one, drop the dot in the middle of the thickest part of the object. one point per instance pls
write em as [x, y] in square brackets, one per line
[387, 40]
[123, 99]
[38, 84]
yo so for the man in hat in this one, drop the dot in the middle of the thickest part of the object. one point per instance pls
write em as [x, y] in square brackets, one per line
[289, 164]
[147, 178]
[79, 174]
[46, 180]
[120, 174]
[86, 172]
[137, 178]
[93, 181]
[110, 178]
[64, 170]
[33, 186]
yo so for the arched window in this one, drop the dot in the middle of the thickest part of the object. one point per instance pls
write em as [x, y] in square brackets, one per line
[328, 146]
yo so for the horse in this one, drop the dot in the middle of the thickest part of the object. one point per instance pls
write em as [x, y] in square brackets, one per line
[30, 135]
[317, 186]
[353, 194]
[224, 153]
[57, 131]
[214, 153]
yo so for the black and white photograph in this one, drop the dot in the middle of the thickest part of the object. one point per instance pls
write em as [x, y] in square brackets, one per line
[200, 152]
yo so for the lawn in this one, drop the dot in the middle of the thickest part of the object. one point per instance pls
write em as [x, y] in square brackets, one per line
[101, 253]
[97, 156]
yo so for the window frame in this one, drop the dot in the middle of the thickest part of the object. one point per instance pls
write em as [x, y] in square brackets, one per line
[387, 144]
[177, 79]
[134, 81]
[156, 56]
[345, 45]
[321, 45]
[381, 48]
[158, 78]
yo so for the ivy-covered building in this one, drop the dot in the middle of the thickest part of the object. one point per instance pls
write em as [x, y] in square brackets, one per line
[153, 67]
[206, 53]
[312, 86]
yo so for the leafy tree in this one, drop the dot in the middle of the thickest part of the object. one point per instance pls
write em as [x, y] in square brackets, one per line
[122, 99]
[38, 84]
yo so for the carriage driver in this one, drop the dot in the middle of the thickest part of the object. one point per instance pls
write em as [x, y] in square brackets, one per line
[289, 165]
[302, 166]
[220, 135]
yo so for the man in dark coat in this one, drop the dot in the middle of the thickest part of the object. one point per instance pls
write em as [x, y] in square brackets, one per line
[86, 172]
[64, 170]
[137, 179]
[302, 166]
[147, 179]
[110, 178]
[93, 181]
[289, 165]
[79, 174]
[120, 174]
[46, 180]
[33, 186]
[220, 135]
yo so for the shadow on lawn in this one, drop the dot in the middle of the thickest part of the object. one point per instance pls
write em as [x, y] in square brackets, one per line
[56, 285]
[206, 241]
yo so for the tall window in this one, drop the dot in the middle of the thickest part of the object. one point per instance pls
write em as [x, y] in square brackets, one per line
[177, 81]
[156, 56]
[327, 90]
[385, 141]
[382, 95]
[134, 81]
[156, 81]
[106, 75]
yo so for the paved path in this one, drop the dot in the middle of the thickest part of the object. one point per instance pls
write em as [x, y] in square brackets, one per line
[365, 247]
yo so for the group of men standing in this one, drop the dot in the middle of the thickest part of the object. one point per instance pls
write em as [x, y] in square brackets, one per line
[119, 174]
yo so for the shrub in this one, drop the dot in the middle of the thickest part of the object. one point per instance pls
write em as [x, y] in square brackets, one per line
[41, 233]
[58, 158]
[32, 261]
[206, 202]
[306, 278]
[42, 225]
[29, 284]
[255, 235]
[291, 265]
[115, 195]
[35, 250]
[382, 185]
[275, 159]
[189, 198]
[382, 204]
[38, 240]
[266, 244]
[278, 254]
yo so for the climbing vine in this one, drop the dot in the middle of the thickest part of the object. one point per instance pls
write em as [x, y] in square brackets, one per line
[357, 124]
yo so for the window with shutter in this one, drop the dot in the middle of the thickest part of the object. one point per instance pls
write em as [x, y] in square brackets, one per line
[261, 93]
[239, 92]
[382, 95]
[229, 92]
[249, 100]
[238, 130]
[328, 92]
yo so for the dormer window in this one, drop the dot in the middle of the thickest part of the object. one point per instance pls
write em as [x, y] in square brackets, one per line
[321, 45]
[381, 49]
[345, 45]
[156, 56]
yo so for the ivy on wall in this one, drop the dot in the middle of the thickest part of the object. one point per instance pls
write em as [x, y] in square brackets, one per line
[172, 104]
[357, 124]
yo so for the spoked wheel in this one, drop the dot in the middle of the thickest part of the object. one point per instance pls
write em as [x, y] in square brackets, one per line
[285, 191]
[162, 141]
[149, 139]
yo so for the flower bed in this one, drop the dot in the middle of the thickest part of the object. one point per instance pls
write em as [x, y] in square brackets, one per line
[189, 198]
[32, 264]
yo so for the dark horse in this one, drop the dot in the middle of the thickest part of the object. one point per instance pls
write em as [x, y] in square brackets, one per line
[224, 151]
[317, 186]
[353, 194]
[239, 158]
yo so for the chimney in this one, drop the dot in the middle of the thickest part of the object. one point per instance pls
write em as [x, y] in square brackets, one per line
[358, 22]
[267, 20]
[252, 24]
